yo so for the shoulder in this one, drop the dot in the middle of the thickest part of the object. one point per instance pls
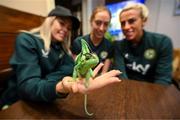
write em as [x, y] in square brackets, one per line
[157, 37]
[77, 41]
[82, 37]
[119, 43]
[76, 45]
[106, 41]
[27, 39]
[158, 41]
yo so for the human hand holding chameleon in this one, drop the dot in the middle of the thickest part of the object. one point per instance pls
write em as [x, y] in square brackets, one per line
[94, 83]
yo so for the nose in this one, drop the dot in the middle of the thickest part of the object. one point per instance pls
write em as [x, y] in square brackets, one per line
[126, 25]
[102, 27]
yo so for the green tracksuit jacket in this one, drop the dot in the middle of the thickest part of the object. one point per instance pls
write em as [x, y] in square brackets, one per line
[150, 60]
[36, 71]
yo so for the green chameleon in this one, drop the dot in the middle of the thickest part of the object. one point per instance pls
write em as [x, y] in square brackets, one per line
[84, 63]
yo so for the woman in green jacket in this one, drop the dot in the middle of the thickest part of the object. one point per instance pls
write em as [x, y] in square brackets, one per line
[142, 55]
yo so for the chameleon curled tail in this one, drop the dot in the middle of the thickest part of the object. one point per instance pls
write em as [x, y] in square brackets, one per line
[85, 105]
[84, 63]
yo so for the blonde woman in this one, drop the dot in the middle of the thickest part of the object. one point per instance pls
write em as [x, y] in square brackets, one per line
[142, 55]
[43, 65]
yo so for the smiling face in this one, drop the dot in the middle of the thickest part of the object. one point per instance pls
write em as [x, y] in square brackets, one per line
[99, 24]
[61, 28]
[132, 24]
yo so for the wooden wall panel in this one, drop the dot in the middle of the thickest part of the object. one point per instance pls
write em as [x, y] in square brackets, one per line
[7, 41]
[11, 21]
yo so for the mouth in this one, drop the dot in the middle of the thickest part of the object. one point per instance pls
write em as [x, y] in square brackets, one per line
[129, 33]
[61, 34]
[100, 34]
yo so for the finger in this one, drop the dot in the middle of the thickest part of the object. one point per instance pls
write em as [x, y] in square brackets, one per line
[74, 88]
[114, 80]
[81, 88]
[109, 81]
[67, 85]
[99, 83]
[96, 70]
[68, 79]
[112, 73]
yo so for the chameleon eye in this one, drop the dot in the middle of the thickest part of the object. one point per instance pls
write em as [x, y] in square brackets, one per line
[88, 56]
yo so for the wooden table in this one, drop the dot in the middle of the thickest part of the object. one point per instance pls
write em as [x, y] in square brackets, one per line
[127, 100]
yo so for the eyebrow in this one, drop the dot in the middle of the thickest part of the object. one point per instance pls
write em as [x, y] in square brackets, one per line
[130, 20]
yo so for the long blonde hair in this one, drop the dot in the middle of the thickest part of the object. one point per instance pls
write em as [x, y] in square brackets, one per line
[45, 34]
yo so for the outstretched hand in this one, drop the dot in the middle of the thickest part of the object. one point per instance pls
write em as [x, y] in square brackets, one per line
[78, 86]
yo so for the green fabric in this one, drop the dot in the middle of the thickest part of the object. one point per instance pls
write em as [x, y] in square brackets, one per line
[37, 74]
[150, 60]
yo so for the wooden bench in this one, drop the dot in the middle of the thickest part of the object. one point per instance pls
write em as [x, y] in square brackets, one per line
[11, 21]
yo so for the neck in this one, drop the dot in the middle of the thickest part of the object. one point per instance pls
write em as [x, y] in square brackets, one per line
[95, 41]
[138, 39]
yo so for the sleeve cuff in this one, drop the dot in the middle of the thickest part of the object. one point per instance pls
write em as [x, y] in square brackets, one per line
[61, 95]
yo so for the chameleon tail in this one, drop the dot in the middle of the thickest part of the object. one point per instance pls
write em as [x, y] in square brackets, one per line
[85, 106]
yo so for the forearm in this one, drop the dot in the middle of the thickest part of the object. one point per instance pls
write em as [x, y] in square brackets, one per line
[163, 70]
[41, 91]
[120, 65]
[32, 87]
[164, 74]
[163, 82]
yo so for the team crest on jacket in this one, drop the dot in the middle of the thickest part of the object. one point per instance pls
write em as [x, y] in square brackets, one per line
[45, 53]
[103, 54]
[61, 55]
[150, 54]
